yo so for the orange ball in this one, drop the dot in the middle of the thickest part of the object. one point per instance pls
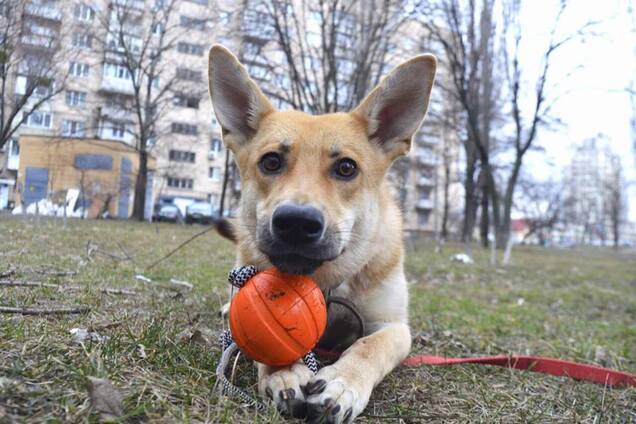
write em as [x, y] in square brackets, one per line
[277, 318]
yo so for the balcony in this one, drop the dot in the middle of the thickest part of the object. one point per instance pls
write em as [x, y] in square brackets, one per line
[425, 182]
[424, 204]
[426, 160]
[115, 113]
[117, 85]
[46, 11]
[130, 5]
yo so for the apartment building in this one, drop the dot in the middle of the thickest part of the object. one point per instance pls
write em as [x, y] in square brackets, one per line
[98, 97]
[592, 179]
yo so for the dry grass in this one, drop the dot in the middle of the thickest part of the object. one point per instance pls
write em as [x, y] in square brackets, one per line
[577, 304]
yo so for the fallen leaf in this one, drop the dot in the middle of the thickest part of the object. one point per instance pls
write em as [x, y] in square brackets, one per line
[141, 350]
[181, 283]
[105, 399]
[600, 355]
[80, 335]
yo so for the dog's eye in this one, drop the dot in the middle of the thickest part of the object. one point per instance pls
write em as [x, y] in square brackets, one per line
[271, 163]
[345, 169]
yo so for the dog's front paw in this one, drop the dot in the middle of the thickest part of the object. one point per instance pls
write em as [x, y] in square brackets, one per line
[286, 387]
[334, 397]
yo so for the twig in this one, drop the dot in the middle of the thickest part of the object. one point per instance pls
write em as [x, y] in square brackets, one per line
[176, 249]
[128, 256]
[41, 311]
[107, 290]
[7, 273]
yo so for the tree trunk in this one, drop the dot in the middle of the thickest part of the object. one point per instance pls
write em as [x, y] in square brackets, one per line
[444, 230]
[226, 175]
[485, 219]
[503, 227]
[139, 205]
[484, 224]
[470, 204]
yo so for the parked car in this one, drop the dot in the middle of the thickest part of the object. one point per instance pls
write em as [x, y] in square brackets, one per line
[200, 213]
[168, 213]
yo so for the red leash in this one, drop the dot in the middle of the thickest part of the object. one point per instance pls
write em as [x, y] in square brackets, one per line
[557, 367]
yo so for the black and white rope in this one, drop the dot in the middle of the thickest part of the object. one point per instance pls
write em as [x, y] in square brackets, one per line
[230, 389]
[241, 274]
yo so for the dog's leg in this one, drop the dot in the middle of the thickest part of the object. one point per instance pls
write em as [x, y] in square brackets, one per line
[340, 392]
[285, 386]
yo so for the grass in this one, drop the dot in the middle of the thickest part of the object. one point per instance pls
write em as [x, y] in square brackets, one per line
[572, 304]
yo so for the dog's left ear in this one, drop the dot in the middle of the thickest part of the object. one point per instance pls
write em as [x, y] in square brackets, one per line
[395, 109]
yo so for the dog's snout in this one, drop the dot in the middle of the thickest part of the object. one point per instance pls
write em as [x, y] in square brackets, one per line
[297, 224]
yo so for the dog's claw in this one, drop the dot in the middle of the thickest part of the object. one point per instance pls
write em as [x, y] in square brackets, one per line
[316, 387]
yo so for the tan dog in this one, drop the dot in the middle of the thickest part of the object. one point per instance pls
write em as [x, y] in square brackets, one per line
[315, 200]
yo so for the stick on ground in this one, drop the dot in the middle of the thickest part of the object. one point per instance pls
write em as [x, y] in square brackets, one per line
[107, 290]
[44, 311]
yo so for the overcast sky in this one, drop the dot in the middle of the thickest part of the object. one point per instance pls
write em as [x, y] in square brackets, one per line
[594, 99]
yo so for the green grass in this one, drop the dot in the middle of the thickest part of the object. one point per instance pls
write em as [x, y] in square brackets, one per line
[563, 303]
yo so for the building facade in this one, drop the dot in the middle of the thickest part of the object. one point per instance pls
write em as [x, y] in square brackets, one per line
[99, 92]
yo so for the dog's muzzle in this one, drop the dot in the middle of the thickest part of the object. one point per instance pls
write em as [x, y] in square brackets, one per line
[297, 240]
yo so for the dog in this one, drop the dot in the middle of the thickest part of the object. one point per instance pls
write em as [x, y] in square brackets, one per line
[315, 200]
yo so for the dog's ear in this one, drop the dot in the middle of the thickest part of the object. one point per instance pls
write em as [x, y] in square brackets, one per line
[238, 102]
[395, 108]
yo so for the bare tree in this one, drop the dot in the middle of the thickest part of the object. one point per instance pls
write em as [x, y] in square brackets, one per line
[464, 34]
[541, 203]
[324, 55]
[135, 41]
[526, 125]
[33, 63]
[467, 53]
[615, 201]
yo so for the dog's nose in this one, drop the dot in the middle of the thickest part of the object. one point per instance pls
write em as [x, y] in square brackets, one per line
[297, 224]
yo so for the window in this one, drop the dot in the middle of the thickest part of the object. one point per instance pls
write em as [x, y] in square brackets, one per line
[186, 101]
[25, 83]
[182, 156]
[187, 129]
[216, 145]
[193, 23]
[215, 173]
[82, 40]
[38, 119]
[193, 49]
[124, 43]
[188, 74]
[424, 194]
[113, 130]
[422, 217]
[75, 98]
[73, 128]
[118, 130]
[116, 71]
[78, 69]
[84, 13]
[180, 182]
[157, 29]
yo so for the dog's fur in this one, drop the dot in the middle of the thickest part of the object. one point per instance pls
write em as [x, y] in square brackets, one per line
[360, 254]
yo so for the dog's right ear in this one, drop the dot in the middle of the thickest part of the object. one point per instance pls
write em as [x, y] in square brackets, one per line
[238, 102]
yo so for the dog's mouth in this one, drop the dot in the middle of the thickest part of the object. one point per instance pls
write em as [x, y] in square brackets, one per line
[294, 263]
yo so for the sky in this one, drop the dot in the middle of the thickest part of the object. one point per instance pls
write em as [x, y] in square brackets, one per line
[591, 75]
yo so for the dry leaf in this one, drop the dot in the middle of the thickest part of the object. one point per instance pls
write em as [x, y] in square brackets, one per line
[105, 399]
